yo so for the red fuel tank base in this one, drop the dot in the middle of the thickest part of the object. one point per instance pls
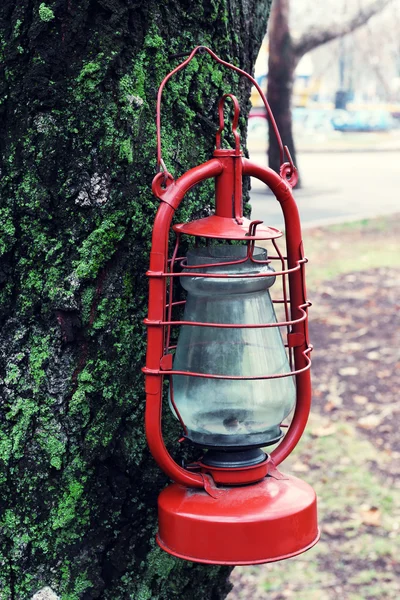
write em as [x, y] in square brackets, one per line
[263, 522]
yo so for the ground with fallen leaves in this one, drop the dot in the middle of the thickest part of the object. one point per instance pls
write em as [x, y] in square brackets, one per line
[350, 453]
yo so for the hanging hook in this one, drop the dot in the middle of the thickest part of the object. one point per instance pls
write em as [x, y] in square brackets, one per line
[235, 121]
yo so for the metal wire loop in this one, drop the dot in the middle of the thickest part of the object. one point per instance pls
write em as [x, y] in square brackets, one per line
[235, 121]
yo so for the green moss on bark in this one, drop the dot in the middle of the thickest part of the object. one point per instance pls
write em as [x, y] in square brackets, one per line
[77, 105]
[45, 13]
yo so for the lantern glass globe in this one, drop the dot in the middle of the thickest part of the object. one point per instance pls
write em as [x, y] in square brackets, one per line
[231, 412]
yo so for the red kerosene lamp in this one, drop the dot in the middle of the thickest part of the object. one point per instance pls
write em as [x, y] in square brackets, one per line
[232, 378]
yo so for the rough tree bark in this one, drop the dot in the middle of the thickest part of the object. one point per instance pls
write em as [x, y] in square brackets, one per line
[285, 53]
[78, 81]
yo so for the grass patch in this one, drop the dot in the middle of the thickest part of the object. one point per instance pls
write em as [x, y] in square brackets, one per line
[342, 471]
[349, 247]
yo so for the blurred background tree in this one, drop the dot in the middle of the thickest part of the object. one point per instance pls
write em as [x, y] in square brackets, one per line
[291, 36]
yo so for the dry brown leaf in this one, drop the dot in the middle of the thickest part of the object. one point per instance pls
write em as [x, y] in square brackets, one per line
[335, 399]
[348, 371]
[337, 321]
[384, 373]
[360, 399]
[336, 335]
[300, 467]
[323, 430]
[371, 515]
[331, 529]
[351, 347]
[370, 421]
[362, 331]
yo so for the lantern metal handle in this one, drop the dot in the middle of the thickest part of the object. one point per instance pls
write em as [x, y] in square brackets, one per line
[288, 170]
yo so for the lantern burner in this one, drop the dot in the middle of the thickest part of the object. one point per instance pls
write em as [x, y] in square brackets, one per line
[233, 459]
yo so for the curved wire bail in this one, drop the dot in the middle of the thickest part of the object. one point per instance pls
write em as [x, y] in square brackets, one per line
[235, 121]
[182, 65]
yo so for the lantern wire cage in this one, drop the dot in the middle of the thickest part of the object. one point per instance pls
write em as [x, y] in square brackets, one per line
[177, 267]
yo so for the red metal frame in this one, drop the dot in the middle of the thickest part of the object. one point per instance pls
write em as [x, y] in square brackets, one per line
[160, 271]
[227, 168]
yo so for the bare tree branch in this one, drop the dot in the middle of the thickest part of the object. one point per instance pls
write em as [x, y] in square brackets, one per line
[317, 37]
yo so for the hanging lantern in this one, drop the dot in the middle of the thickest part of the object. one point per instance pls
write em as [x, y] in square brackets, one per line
[235, 371]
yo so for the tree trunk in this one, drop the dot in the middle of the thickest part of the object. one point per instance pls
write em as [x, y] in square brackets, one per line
[284, 55]
[77, 114]
[281, 65]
